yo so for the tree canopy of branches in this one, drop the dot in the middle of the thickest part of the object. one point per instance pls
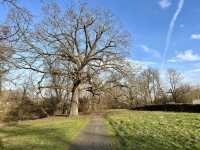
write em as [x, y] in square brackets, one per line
[76, 44]
[5, 56]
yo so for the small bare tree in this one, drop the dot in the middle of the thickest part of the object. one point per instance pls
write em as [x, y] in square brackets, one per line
[175, 79]
[150, 84]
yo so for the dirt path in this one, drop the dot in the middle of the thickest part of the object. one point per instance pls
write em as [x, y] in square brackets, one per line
[94, 136]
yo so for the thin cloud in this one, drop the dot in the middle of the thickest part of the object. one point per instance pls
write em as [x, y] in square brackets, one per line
[172, 60]
[145, 48]
[195, 70]
[188, 55]
[170, 30]
[151, 51]
[164, 4]
[142, 63]
[195, 36]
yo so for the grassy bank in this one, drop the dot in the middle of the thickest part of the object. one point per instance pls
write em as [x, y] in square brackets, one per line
[142, 130]
[46, 134]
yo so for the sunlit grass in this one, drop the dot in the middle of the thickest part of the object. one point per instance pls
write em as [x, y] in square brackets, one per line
[46, 134]
[139, 130]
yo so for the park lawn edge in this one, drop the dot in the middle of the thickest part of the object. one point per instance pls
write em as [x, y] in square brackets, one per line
[115, 116]
[25, 133]
[112, 132]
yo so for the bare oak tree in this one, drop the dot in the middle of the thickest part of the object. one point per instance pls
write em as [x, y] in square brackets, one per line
[83, 43]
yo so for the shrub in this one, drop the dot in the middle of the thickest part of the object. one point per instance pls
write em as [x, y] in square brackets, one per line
[16, 107]
[49, 105]
[171, 107]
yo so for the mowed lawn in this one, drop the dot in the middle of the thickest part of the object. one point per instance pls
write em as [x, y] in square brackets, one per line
[140, 130]
[54, 133]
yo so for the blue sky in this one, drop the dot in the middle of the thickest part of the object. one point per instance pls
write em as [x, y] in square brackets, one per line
[148, 22]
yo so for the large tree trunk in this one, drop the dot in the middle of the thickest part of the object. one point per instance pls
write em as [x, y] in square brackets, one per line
[0, 83]
[73, 108]
[74, 104]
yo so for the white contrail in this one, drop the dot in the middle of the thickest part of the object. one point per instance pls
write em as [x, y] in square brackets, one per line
[170, 31]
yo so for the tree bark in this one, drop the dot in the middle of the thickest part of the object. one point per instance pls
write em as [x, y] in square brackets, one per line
[74, 104]
[73, 108]
[0, 83]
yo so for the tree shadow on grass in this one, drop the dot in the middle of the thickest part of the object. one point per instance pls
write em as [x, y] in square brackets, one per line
[131, 141]
[34, 138]
[149, 142]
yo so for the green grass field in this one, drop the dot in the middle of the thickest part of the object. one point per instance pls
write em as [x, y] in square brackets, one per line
[46, 134]
[139, 130]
